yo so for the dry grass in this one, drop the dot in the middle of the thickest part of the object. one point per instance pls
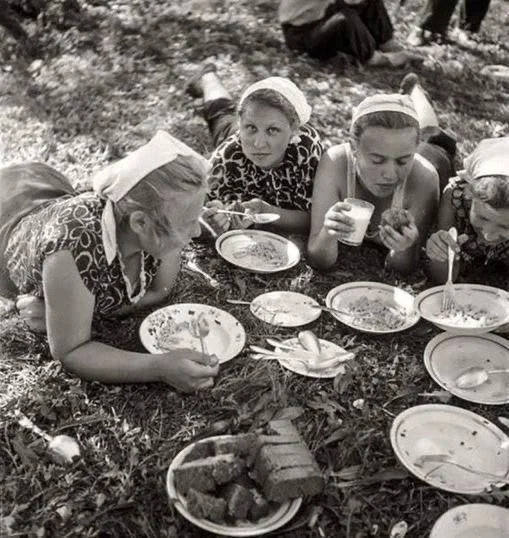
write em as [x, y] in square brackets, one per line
[100, 89]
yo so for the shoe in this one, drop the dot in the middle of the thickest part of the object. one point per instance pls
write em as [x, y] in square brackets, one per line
[193, 86]
[407, 84]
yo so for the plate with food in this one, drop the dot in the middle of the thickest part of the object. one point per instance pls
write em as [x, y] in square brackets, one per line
[372, 307]
[243, 485]
[474, 367]
[257, 250]
[186, 325]
[451, 448]
[328, 363]
[475, 520]
[285, 308]
[477, 309]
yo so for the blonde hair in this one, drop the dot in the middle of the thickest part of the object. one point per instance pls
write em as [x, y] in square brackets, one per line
[493, 190]
[185, 174]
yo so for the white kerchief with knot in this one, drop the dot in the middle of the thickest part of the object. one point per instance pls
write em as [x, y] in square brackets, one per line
[115, 180]
[288, 90]
[490, 158]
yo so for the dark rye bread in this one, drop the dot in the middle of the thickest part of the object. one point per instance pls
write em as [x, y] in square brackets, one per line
[205, 506]
[238, 500]
[245, 445]
[274, 457]
[283, 427]
[293, 482]
[207, 473]
[202, 449]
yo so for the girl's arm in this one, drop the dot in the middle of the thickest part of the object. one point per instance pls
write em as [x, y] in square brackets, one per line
[437, 269]
[423, 205]
[322, 246]
[69, 312]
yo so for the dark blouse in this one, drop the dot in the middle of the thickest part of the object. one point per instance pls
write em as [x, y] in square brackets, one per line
[71, 223]
[233, 177]
[473, 249]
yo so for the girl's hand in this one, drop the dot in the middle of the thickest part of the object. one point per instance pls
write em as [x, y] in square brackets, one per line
[187, 370]
[438, 244]
[337, 222]
[218, 221]
[32, 311]
[403, 239]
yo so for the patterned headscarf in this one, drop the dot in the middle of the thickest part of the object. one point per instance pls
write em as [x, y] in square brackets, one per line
[288, 90]
[118, 178]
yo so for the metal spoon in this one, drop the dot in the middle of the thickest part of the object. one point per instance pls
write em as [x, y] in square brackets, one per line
[65, 448]
[257, 218]
[476, 376]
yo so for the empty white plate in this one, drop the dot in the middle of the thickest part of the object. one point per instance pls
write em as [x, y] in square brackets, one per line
[285, 308]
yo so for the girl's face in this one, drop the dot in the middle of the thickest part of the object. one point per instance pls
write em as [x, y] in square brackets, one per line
[385, 158]
[265, 133]
[183, 213]
[491, 224]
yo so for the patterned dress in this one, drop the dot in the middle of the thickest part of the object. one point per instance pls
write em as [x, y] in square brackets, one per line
[71, 223]
[234, 177]
[473, 250]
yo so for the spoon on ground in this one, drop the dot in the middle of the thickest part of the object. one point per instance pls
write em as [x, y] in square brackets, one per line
[63, 447]
[476, 376]
[257, 218]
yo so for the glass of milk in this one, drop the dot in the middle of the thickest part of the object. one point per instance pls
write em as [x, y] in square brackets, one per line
[361, 214]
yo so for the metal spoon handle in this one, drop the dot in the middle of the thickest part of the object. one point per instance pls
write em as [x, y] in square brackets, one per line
[24, 421]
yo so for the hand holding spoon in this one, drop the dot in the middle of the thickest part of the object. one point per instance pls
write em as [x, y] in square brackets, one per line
[257, 218]
[476, 376]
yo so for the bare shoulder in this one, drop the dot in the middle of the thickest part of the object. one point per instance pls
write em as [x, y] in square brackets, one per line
[423, 178]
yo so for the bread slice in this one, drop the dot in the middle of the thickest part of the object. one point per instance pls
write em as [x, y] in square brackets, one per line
[205, 506]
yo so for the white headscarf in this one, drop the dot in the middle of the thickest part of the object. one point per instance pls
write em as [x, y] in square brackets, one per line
[490, 158]
[115, 180]
[288, 90]
[385, 102]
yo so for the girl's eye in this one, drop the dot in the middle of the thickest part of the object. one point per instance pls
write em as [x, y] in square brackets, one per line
[273, 130]
[402, 162]
[377, 160]
[250, 128]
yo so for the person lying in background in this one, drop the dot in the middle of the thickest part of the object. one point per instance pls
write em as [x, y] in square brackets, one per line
[266, 152]
[360, 29]
[385, 165]
[107, 252]
[476, 202]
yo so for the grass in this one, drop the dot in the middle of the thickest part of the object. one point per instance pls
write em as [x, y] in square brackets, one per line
[100, 89]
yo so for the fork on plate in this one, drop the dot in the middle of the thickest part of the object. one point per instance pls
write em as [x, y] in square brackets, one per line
[448, 295]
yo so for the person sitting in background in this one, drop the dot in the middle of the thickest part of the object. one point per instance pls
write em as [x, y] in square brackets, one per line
[476, 202]
[360, 29]
[266, 152]
[107, 252]
[386, 166]
[436, 16]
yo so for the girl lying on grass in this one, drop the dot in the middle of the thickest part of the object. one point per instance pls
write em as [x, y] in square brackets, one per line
[477, 204]
[267, 153]
[102, 253]
[384, 164]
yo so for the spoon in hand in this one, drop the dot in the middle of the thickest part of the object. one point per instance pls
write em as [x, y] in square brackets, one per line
[476, 376]
[257, 218]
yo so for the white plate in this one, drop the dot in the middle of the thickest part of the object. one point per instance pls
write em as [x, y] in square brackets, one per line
[257, 250]
[285, 308]
[479, 298]
[329, 349]
[279, 516]
[475, 520]
[467, 438]
[390, 300]
[169, 327]
[448, 355]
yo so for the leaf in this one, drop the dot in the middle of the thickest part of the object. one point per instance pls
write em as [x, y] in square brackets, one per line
[348, 473]
[289, 413]
[334, 437]
[504, 421]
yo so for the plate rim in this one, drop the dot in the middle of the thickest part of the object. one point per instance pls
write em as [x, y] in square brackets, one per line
[291, 508]
[309, 374]
[319, 312]
[462, 285]
[372, 284]
[441, 337]
[242, 342]
[438, 407]
[231, 233]
[446, 516]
